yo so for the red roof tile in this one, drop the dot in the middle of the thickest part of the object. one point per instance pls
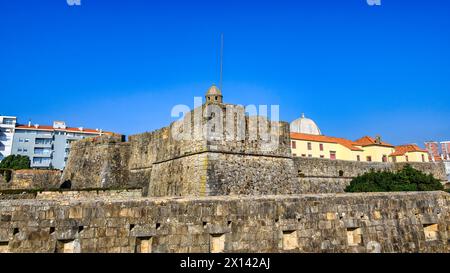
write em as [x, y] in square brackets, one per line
[368, 141]
[68, 129]
[403, 149]
[320, 138]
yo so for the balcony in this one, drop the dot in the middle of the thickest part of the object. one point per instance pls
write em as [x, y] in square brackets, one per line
[72, 137]
[49, 155]
[47, 136]
[44, 145]
[43, 164]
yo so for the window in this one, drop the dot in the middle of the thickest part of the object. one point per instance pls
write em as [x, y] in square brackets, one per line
[43, 141]
[321, 146]
[294, 145]
[8, 121]
[41, 160]
[369, 159]
[407, 158]
[332, 155]
[431, 232]
[217, 243]
[20, 139]
[37, 160]
[294, 154]
[304, 155]
[144, 244]
[290, 240]
[4, 247]
[322, 156]
[354, 237]
[67, 246]
[309, 155]
[358, 158]
[423, 158]
[19, 150]
[309, 146]
[25, 150]
[27, 140]
[41, 151]
[384, 158]
[394, 159]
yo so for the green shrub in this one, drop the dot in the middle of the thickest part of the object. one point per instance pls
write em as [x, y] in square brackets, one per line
[15, 162]
[7, 174]
[407, 179]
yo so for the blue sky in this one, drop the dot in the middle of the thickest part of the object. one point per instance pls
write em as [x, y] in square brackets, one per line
[122, 65]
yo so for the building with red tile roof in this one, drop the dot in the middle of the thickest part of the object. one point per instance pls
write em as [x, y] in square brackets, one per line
[48, 146]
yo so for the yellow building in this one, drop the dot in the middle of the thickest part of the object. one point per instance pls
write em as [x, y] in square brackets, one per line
[410, 153]
[307, 141]
[374, 149]
[307, 145]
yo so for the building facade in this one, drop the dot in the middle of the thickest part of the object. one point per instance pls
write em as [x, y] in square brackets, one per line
[48, 146]
[7, 128]
[409, 153]
[433, 150]
[445, 148]
[439, 152]
[307, 141]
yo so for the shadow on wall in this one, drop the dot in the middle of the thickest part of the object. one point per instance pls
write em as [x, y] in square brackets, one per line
[66, 185]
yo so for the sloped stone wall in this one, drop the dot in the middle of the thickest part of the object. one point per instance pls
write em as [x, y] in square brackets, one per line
[32, 179]
[317, 175]
[177, 160]
[375, 222]
[319, 167]
[100, 162]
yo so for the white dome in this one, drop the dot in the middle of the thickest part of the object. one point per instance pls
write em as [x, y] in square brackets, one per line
[305, 126]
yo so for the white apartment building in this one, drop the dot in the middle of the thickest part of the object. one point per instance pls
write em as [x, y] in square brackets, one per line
[7, 128]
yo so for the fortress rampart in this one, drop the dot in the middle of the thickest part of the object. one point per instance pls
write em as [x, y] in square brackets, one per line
[242, 157]
[31, 179]
[317, 175]
[375, 222]
[192, 169]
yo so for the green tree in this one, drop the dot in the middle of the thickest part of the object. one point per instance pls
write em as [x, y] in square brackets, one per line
[15, 162]
[407, 179]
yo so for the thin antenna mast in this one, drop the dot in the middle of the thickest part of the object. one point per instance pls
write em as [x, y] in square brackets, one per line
[221, 61]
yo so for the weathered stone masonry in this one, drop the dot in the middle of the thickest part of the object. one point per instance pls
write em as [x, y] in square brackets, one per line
[164, 164]
[376, 222]
[317, 175]
[32, 179]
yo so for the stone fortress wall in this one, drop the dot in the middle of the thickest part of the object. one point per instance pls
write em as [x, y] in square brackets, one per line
[166, 165]
[31, 179]
[374, 222]
[317, 175]
[143, 163]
